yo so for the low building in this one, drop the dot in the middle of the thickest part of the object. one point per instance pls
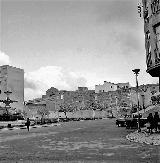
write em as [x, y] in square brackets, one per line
[82, 89]
[51, 92]
[123, 85]
[145, 93]
[105, 87]
[108, 86]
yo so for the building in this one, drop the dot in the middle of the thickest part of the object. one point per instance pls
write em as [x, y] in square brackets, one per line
[108, 86]
[145, 93]
[55, 99]
[82, 89]
[52, 91]
[12, 79]
[151, 15]
[123, 85]
[105, 87]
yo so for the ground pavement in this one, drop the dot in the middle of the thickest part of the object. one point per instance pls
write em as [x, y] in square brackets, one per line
[83, 141]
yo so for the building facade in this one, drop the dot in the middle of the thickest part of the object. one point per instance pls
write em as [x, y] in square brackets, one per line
[105, 87]
[123, 85]
[151, 14]
[108, 86]
[82, 89]
[12, 79]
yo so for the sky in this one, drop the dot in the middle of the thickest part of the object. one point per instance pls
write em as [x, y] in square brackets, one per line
[71, 43]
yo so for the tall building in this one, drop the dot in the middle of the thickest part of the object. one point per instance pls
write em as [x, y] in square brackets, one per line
[151, 15]
[12, 79]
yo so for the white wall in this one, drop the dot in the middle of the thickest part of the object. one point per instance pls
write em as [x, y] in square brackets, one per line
[107, 86]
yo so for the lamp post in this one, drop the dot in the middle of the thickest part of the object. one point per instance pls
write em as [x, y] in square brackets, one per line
[143, 102]
[136, 72]
[144, 89]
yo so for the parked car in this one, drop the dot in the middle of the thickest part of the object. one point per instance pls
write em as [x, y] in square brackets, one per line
[120, 122]
[132, 122]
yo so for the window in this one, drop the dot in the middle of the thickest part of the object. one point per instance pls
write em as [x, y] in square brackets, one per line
[0, 91]
[148, 50]
[111, 86]
[157, 31]
[155, 6]
[157, 50]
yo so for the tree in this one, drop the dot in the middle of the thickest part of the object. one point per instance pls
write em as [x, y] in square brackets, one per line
[43, 111]
[23, 113]
[64, 107]
[154, 100]
[158, 99]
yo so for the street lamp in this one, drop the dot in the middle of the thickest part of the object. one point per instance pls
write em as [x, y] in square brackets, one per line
[144, 89]
[143, 101]
[136, 72]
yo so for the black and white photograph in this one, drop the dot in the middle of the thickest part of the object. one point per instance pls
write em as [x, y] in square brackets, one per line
[79, 81]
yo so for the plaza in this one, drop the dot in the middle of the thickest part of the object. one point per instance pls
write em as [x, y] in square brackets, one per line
[80, 141]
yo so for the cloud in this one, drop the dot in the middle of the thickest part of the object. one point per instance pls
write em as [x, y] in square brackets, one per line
[4, 59]
[29, 84]
[37, 82]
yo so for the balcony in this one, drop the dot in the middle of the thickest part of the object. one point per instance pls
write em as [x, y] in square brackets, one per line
[154, 70]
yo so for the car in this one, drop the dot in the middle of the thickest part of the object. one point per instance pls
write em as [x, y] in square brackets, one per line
[120, 122]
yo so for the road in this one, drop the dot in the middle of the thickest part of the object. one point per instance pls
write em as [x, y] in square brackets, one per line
[79, 141]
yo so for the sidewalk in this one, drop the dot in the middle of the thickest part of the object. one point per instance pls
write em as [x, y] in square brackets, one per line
[24, 127]
[144, 137]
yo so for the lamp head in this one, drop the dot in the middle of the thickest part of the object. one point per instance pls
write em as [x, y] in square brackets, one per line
[136, 71]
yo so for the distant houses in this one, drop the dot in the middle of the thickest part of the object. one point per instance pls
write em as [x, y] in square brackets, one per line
[83, 99]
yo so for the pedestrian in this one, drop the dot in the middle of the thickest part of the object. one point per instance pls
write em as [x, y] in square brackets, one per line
[156, 120]
[28, 123]
[150, 120]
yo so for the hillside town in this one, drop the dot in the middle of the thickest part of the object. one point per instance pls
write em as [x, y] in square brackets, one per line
[115, 99]
[122, 100]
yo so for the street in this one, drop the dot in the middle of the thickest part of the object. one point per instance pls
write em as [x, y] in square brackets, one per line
[78, 141]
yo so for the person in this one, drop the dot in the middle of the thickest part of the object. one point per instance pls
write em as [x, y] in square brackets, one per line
[156, 120]
[28, 123]
[151, 122]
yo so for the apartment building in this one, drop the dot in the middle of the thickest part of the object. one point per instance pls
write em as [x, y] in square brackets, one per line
[12, 79]
[151, 15]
